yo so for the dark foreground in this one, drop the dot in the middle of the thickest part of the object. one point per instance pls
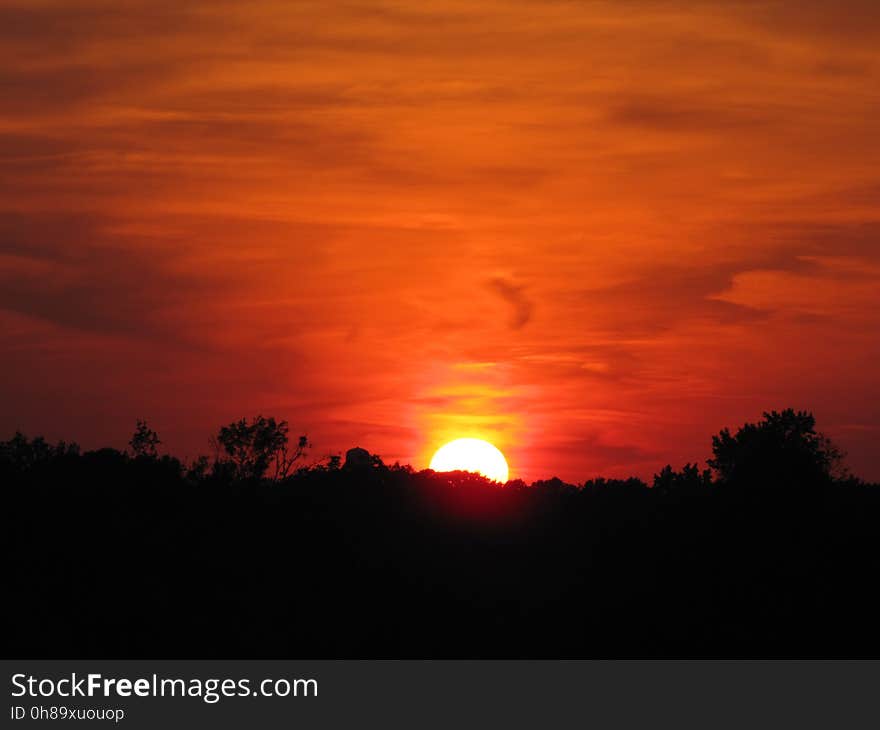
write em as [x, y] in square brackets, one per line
[114, 556]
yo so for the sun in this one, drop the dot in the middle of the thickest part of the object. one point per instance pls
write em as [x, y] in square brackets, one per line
[473, 455]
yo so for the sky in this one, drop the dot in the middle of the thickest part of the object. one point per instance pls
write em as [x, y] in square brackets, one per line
[593, 233]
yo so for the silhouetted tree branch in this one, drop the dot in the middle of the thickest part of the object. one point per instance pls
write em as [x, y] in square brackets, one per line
[144, 441]
[251, 447]
[783, 450]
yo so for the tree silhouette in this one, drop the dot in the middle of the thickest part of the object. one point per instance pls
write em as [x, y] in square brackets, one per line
[250, 448]
[21, 454]
[690, 480]
[385, 561]
[782, 450]
[144, 441]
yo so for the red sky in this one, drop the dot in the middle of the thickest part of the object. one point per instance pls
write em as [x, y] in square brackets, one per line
[593, 233]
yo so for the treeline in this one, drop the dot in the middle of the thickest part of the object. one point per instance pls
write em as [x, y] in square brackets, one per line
[772, 550]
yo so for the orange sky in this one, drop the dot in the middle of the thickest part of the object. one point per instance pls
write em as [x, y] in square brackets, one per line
[591, 232]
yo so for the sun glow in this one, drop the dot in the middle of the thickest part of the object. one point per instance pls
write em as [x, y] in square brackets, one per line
[473, 455]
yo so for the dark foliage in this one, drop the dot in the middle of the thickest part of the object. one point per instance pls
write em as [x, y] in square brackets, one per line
[120, 556]
[782, 451]
[248, 449]
[144, 442]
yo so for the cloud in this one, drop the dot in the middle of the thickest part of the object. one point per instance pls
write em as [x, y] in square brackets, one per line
[71, 271]
[682, 113]
[514, 295]
[619, 458]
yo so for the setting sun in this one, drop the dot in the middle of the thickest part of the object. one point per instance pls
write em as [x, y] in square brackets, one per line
[473, 455]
